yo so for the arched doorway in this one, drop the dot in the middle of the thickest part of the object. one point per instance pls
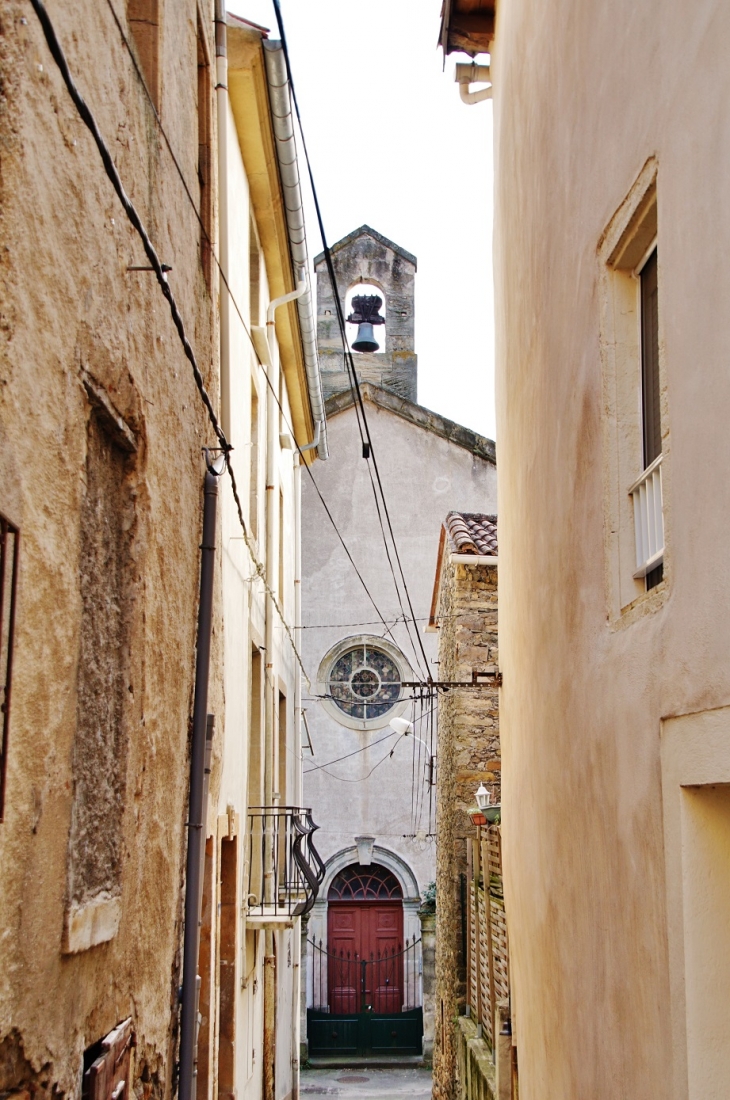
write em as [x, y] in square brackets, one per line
[365, 925]
[365, 978]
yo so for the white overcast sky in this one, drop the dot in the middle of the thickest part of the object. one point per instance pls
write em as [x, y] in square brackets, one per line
[393, 146]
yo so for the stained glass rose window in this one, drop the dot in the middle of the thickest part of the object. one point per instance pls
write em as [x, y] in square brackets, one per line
[361, 679]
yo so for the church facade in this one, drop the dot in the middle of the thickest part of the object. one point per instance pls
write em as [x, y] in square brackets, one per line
[371, 786]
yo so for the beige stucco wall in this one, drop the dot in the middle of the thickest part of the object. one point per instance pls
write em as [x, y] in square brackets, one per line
[70, 306]
[585, 95]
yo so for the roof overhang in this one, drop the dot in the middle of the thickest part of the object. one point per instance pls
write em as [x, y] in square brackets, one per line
[447, 554]
[249, 99]
[467, 26]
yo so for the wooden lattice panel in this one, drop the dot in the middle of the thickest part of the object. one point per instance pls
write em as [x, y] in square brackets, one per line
[473, 967]
[499, 948]
[486, 1003]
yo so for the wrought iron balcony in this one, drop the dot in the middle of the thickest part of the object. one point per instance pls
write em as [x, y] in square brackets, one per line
[283, 869]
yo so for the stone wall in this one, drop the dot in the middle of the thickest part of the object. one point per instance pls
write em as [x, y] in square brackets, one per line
[367, 257]
[469, 754]
[100, 467]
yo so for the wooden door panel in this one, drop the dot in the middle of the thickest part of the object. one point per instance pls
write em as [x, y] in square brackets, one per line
[344, 946]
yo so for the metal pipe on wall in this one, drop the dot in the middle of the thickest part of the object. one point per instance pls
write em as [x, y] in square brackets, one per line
[196, 805]
[221, 100]
[286, 153]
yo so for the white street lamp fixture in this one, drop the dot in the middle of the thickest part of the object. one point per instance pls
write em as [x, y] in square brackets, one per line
[401, 725]
[483, 797]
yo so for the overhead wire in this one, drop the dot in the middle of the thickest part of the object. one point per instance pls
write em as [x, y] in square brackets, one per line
[357, 394]
[236, 307]
[156, 265]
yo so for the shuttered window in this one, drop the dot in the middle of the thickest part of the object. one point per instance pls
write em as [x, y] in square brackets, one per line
[650, 402]
[651, 412]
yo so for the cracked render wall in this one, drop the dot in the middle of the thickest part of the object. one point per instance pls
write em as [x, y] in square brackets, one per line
[100, 468]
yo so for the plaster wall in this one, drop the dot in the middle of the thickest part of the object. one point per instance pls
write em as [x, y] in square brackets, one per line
[245, 610]
[585, 95]
[424, 476]
[76, 322]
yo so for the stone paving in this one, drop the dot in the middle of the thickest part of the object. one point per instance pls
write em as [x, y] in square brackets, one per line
[363, 1083]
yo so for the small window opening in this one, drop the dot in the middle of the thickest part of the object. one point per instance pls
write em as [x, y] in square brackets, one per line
[282, 763]
[369, 320]
[144, 23]
[253, 493]
[9, 539]
[205, 157]
[254, 274]
[650, 391]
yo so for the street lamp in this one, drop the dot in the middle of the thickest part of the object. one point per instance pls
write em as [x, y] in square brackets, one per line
[405, 729]
[478, 813]
[483, 797]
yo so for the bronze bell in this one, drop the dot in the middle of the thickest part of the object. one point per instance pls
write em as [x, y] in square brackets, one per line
[365, 315]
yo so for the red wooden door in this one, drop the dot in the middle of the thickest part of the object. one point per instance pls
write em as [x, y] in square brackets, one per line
[369, 933]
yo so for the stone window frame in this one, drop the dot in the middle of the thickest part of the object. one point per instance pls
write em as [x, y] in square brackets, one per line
[628, 239]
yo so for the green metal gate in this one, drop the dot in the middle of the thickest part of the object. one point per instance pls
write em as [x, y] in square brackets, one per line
[365, 1007]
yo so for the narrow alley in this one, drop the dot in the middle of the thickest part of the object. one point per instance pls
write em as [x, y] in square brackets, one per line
[364, 528]
[371, 1083]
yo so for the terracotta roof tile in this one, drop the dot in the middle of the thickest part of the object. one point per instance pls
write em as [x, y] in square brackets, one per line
[472, 533]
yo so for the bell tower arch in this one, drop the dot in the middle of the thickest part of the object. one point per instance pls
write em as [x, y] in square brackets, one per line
[367, 257]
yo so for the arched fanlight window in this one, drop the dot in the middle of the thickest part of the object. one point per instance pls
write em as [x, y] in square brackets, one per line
[371, 883]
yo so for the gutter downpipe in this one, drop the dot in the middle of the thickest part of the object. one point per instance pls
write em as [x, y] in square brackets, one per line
[221, 101]
[473, 74]
[198, 783]
[298, 777]
[286, 154]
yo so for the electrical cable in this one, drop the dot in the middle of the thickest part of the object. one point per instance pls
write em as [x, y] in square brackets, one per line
[340, 317]
[362, 778]
[422, 672]
[156, 265]
[232, 298]
[133, 216]
[356, 752]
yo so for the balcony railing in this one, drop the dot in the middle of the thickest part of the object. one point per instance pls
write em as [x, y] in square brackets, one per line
[648, 518]
[283, 868]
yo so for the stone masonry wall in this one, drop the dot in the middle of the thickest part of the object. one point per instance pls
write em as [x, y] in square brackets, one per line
[469, 753]
[369, 259]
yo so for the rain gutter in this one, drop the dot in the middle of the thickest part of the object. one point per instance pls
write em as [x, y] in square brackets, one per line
[286, 154]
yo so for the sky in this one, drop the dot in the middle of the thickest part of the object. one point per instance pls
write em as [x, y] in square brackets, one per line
[393, 146]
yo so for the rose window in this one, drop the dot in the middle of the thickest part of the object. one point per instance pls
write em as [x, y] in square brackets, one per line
[364, 682]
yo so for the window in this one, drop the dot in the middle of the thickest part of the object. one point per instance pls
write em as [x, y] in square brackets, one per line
[373, 883]
[144, 23]
[205, 166]
[95, 851]
[361, 681]
[254, 274]
[282, 557]
[651, 424]
[253, 491]
[283, 789]
[636, 441]
[651, 412]
[9, 539]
